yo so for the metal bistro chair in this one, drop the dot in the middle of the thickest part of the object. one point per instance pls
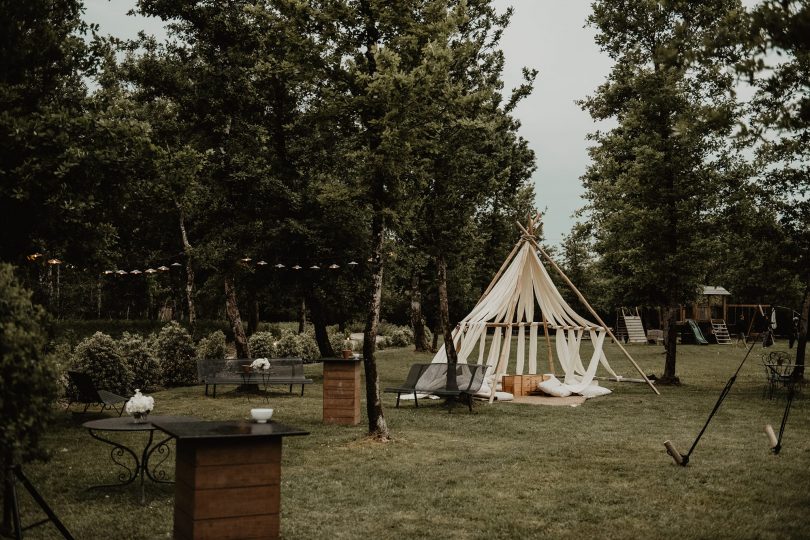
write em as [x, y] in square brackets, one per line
[779, 372]
[88, 394]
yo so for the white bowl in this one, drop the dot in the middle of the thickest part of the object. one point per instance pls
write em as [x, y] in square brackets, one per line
[261, 416]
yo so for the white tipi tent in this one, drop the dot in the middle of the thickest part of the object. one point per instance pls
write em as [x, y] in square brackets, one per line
[520, 287]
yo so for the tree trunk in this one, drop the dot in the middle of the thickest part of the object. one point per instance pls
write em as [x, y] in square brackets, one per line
[801, 343]
[6, 527]
[437, 330]
[192, 312]
[447, 331]
[319, 322]
[253, 313]
[671, 344]
[232, 311]
[420, 343]
[377, 426]
[302, 316]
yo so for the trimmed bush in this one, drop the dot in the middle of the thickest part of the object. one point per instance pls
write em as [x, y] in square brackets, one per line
[28, 378]
[212, 346]
[292, 344]
[401, 336]
[141, 359]
[337, 340]
[100, 357]
[262, 345]
[175, 351]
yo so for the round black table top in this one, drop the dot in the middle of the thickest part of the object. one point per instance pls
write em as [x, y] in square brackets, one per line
[127, 423]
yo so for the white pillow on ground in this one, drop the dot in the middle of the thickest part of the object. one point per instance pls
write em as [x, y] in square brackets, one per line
[594, 391]
[554, 387]
[504, 396]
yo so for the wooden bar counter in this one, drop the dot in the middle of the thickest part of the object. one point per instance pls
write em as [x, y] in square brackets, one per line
[228, 478]
[341, 391]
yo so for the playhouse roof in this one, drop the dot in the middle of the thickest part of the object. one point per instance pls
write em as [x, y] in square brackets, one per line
[714, 291]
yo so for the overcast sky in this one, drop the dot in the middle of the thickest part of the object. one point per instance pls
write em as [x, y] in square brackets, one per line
[547, 35]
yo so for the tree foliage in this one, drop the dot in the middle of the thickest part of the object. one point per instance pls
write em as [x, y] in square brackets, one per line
[28, 378]
[656, 176]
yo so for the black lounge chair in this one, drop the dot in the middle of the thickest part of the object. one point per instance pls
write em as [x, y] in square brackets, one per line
[409, 386]
[88, 394]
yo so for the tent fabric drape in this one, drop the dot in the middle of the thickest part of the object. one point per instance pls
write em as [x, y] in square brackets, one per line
[510, 302]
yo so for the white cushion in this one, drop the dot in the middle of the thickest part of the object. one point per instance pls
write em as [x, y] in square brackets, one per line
[594, 390]
[554, 387]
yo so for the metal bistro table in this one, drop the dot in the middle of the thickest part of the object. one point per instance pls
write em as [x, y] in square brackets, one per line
[119, 452]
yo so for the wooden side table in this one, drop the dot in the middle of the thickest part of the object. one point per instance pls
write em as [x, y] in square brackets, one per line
[227, 478]
[341, 391]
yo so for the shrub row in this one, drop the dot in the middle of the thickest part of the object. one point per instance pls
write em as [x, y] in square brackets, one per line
[133, 361]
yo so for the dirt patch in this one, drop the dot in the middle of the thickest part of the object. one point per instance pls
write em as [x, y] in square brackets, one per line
[549, 400]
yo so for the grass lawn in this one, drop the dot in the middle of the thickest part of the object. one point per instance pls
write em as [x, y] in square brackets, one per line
[507, 471]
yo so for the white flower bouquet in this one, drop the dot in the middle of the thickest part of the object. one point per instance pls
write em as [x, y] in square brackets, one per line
[140, 405]
[260, 363]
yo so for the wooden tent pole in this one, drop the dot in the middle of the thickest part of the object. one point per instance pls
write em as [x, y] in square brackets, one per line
[548, 344]
[592, 311]
[500, 271]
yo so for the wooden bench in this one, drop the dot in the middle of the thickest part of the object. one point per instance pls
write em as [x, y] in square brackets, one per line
[463, 380]
[286, 371]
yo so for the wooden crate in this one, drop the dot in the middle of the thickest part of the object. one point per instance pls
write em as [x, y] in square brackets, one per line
[522, 385]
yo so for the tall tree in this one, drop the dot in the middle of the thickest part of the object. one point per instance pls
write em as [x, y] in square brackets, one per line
[779, 66]
[655, 176]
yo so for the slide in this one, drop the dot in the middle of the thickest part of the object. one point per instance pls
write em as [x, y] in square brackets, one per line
[699, 339]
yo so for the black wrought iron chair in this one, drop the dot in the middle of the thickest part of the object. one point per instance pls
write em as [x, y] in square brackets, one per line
[779, 373]
[84, 391]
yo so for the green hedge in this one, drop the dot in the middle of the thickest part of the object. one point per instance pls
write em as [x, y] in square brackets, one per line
[74, 331]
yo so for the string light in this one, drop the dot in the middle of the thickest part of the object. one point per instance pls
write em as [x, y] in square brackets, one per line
[245, 260]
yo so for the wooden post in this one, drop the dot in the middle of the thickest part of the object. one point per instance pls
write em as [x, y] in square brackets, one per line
[228, 478]
[590, 309]
[341, 391]
[548, 344]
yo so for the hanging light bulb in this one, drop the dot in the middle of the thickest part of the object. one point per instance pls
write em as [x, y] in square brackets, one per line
[54, 261]
[150, 271]
[296, 267]
[353, 263]
[33, 256]
[314, 267]
[261, 263]
[163, 268]
[333, 266]
[176, 264]
[279, 265]
[246, 259]
[136, 272]
[108, 272]
[121, 272]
